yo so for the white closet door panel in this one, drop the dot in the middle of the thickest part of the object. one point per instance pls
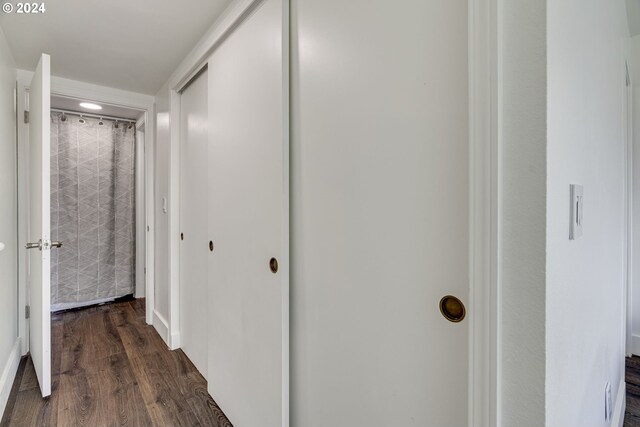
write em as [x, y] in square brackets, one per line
[194, 222]
[247, 203]
[380, 191]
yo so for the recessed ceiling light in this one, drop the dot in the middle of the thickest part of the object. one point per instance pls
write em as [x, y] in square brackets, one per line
[90, 106]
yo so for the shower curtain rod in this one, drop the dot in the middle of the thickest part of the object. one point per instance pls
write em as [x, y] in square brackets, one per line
[96, 116]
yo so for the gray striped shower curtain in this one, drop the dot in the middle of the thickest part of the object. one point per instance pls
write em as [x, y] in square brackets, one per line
[92, 210]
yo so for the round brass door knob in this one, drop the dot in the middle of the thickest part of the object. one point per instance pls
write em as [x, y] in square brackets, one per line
[210, 245]
[452, 309]
[273, 265]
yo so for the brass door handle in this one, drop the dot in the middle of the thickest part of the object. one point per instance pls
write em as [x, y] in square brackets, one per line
[452, 309]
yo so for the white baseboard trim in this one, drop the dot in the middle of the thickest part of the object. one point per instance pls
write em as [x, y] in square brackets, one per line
[175, 341]
[617, 419]
[9, 374]
[139, 292]
[172, 339]
[162, 326]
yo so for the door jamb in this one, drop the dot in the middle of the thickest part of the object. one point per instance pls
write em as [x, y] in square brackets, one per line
[628, 241]
[23, 206]
[142, 187]
[484, 296]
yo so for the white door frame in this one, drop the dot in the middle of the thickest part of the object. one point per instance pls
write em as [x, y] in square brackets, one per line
[141, 208]
[628, 240]
[104, 95]
[484, 297]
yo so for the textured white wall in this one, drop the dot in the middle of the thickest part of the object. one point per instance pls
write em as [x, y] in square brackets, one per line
[8, 200]
[586, 144]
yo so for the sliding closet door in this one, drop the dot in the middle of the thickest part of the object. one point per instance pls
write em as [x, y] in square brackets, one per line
[193, 219]
[380, 234]
[248, 206]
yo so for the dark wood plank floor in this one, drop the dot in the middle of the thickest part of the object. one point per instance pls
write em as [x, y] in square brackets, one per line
[111, 369]
[632, 377]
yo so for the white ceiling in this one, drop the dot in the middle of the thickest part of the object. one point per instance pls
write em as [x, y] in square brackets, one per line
[71, 104]
[125, 44]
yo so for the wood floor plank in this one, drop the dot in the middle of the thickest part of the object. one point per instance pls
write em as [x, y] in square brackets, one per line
[32, 410]
[87, 339]
[138, 338]
[632, 378]
[161, 392]
[29, 379]
[107, 396]
[57, 339]
[138, 306]
[201, 403]
[111, 369]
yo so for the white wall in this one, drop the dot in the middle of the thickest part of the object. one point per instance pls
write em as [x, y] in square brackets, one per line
[162, 148]
[522, 211]
[586, 145]
[634, 69]
[9, 350]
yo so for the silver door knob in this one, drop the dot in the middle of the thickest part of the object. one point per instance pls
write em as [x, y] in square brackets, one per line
[36, 245]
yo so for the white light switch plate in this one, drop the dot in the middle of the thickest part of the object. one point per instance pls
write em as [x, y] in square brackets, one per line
[577, 208]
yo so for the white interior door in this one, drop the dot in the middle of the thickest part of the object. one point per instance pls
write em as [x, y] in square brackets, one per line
[194, 244]
[248, 217]
[39, 223]
[380, 191]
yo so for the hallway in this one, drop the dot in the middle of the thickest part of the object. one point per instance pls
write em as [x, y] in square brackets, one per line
[110, 368]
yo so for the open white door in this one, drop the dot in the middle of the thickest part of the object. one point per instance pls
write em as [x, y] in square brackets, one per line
[39, 223]
[248, 222]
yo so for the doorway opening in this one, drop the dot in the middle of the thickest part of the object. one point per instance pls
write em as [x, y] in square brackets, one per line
[94, 204]
[99, 175]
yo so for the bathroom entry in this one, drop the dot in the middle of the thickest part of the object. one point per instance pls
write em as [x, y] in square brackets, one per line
[81, 193]
[93, 206]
